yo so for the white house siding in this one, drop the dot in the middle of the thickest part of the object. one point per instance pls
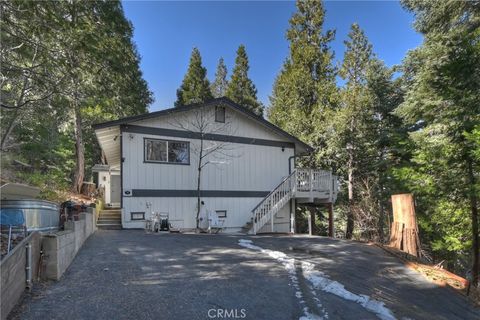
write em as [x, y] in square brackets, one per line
[241, 125]
[252, 168]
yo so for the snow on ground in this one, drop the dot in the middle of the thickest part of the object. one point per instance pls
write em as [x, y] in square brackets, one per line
[320, 281]
[289, 264]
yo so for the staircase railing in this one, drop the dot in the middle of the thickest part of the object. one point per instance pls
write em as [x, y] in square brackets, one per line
[273, 202]
[305, 182]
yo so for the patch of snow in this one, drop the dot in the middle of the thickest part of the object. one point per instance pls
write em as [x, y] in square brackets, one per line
[289, 265]
[310, 316]
[320, 281]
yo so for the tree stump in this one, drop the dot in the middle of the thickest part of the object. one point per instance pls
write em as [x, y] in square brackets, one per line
[404, 230]
[88, 188]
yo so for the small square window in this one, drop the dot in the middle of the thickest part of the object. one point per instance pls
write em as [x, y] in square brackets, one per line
[137, 215]
[221, 213]
[220, 114]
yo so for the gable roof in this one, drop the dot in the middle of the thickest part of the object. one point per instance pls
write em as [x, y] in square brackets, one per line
[213, 102]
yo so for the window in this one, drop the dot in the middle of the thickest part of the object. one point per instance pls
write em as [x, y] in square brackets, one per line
[156, 150]
[220, 114]
[167, 151]
[221, 213]
[137, 215]
[178, 152]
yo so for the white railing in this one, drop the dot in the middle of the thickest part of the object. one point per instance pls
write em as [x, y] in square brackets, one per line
[273, 202]
[314, 180]
[302, 181]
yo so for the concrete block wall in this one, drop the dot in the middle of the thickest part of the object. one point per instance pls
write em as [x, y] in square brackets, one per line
[61, 248]
[13, 272]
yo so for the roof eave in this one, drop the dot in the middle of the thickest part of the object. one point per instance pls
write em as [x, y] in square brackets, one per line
[223, 100]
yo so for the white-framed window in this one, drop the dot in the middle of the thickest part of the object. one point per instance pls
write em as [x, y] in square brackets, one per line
[221, 213]
[220, 114]
[137, 216]
[166, 151]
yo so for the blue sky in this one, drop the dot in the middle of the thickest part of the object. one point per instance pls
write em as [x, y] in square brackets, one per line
[166, 32]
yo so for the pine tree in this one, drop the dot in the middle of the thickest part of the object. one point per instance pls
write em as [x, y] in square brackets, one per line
[195, 86]
[442, 80]
[219, 86]
[306, 88]
[355, 110]
[83, 58]
[240, 88]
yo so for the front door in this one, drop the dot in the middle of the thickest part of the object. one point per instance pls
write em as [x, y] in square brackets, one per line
[115, 189]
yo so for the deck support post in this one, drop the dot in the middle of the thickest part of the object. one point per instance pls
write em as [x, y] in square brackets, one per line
[330, 220]
[292, 217]
[309, 221]
[271, 223]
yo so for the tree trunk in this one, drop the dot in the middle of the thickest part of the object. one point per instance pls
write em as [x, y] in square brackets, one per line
[199, 177]
[404, 233]
[474, 213]
[9, 129]
[79, 151]
[350, 221]
[16, 115]
[381, 221]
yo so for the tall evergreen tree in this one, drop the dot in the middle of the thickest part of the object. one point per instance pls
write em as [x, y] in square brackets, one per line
[219, 86]
[442, 81]
[305, 87]
[387, 135]
[361, 135]
[88, 57]
[241, 89]
[195, 86]
[355, 111]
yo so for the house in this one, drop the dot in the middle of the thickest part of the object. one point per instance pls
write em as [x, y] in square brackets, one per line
[248, 175]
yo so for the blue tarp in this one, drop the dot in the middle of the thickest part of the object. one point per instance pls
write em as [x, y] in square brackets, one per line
[12, 217]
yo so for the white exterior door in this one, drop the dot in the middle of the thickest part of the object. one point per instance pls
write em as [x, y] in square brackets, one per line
[115, 188]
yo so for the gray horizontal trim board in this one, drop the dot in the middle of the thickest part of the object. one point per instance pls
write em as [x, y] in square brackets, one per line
[214, 102]
[193, 193]
[208, 136]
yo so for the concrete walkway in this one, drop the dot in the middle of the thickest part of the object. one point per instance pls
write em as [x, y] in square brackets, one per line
[127, 274]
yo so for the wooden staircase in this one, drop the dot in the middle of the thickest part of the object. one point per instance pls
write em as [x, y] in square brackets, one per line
[110, 219]
[306, 184]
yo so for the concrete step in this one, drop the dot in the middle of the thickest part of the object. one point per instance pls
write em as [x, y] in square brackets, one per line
[109, 226]
[109, 215]
[109, 221]
[110, 212]
[103, 215]
[246, 228]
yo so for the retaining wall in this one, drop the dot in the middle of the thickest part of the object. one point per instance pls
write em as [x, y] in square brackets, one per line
[13, 272]
[60, 248]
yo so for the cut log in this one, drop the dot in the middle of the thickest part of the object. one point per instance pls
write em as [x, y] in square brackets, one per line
[88, 188]
[404, 230]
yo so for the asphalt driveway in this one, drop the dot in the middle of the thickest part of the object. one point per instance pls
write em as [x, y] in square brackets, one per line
[128, 274]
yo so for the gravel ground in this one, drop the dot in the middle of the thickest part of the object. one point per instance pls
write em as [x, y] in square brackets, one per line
[127, 274]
